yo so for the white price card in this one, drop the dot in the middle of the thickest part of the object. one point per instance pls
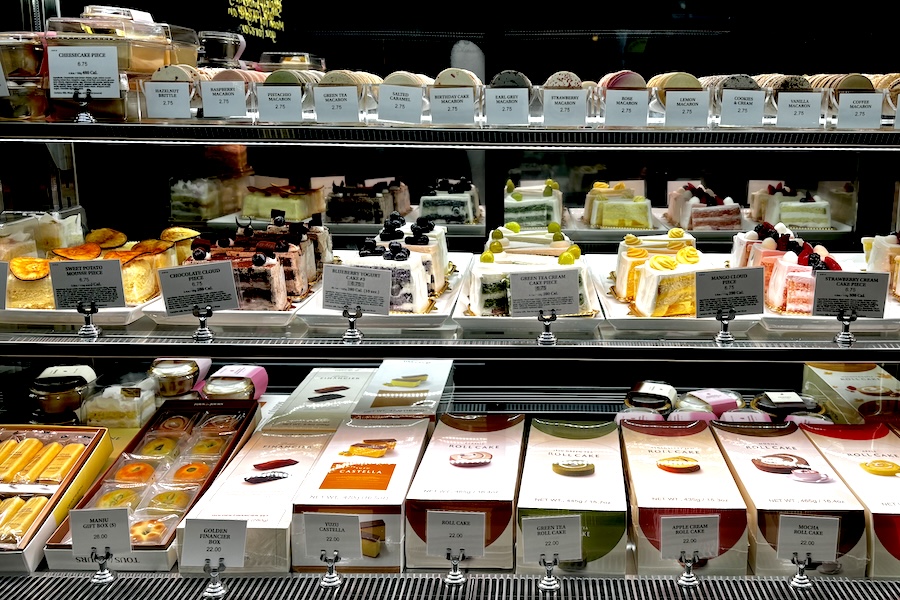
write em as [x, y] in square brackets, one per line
[170, 100]
[400, 103]
[4, 88]
[214, 539]
[83, 69]
[740, 289]
[742, 108]
[689, 534]
[337, 104]
[687, 108]
[452, 106]
[626, 108]
[544, 290]
[784, 397]
[817, 536]
[454, 531]
[369, 288]
[330, 532]
[280, 103]
[565, 108]
[800, 110]
[99, 528]
[859, 111]
[208, 284]
[506, 106]
[4, 270]
[866, 293]
[84, 281]
[552, 535]
[224, 98]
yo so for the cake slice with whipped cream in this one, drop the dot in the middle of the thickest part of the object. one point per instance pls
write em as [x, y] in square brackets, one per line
[415, 237]
[665, 284]
[450, 202]
[792, 286]
[409, 282]
[743, 243]
[513, 239]
[695, 208]
[760, 199]
[616, 206]
[635, 250]
[806, 211]
[533, 206]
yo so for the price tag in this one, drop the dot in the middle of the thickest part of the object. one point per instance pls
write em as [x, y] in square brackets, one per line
[99, 528]
[207, 284]
[84, 281]
[742, 108]
[816, 535]
[626, 108]
[859, 111]
[799, 109]
[400, 103]
[546, 290]
[694, 533]
[214, 539]
[454, 531]
[506, 106]
[565, 108]
[740, 289]
[330, 532]
[4, 268]
[687, 108]
[450, 106]
[552, 535]
[168, 100]
[784, 397]
[337, 104]
[366, 287]
[82, 69]
[866, 293]
[4, 88]
[280, 103]
[223, 98]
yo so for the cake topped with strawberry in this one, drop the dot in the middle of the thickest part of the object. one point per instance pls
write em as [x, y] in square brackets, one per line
[695, 208]
[759, 200]
[792, 285]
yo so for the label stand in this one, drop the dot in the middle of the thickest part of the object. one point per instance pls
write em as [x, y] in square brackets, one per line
[203, 333]
[88, 330]
[547, 338]
[549, 583]
[687, 578]
[845, 339]
[103, 574]
[725, 337]
[455, 576]
[330, 579]
[800, 580]
[215, 588]
[352, 335]
[84, 115]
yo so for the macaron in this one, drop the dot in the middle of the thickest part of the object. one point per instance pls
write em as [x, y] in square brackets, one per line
[510, 79]
[563, 80]
[622, 79]
[403, 78]
[173, 73]
[673, 80]
[456, 77]
[285, 77]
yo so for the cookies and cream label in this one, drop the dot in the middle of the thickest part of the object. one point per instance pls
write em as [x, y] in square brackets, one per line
[800, 110]
[687, 108]
[859, 110]
[533, 292]
[455, 532]
[689, 535]
[863, 293]
[86, 281]
[400, 104]
[99, 528]
[201, 285]
[224, 98]
[330, 533]
[552, 537]
[214, 540]
[626, 108]
[800, 536]
[506, 106]
[368, 288]
[565, 108]
[168, 100]
[280, 103]
[83, 70]
[742, 108]
[452, 106]
[337, 104]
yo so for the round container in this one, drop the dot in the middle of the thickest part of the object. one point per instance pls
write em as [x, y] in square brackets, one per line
[220, 49]
[228, 388]
[778, 407]
[21, 54]
[657, 395]
[714, 399]
[691, 414]
[638, 413]
[60, 391]
[175, 377]
[745, 415]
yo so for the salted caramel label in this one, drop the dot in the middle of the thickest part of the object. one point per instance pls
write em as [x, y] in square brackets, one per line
[358, 476]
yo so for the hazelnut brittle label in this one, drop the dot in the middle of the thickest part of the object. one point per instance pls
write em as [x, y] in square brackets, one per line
[548, 291]
[86, 281]
[206, 284]
[454, 532]
[368, 288]
[168, 100]
[83, 70]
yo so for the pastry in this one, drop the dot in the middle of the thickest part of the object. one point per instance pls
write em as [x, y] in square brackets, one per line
[135, 472]
[780, 463]
[371, 545]
[16, 461]
[363, 449]
[885, 468]
[149, 531]
[175, 500]
[119, 497]
[471, 459]
[6, 448]
[161, 446]
[375, 528]
[389, 443]
[60, 466]
[331, 389]
[220, 423]
[407, 381]
[678, 80]
[195, 471]
[678, 464]
[268, 476]
[209, 446]
[174, 423]
[15, 528]
[10, 507]
[36, 465]
[573, 468]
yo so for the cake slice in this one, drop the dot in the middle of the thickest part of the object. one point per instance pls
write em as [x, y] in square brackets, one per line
[423, 238]
[409, 282]
[448, 202]
[635, 250]
[533, 207]
[809, 212]
[693, 207]
[791, 287]
[551, 241]
[665, 284]
[297, 204]
[616, 206]
[760, 199]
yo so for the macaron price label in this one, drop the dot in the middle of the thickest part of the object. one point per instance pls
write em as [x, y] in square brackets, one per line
[99, 528]
[565, 108]
[547, 290]
[168, 100]
[86, 281]
[816, 536]
[83, 70]
[626, 108]
[214, 539]
[223, 98]
[400, 104]
[452, 106]
[689, 534]
[800, 110]
[280, 103]
[865, 293]
[859, 110]
[549, 536]
[742, 108]
[337, 104]
[330, 532]
[506, 106]
[365, 287]
[724, 289]
[206, 284]
[453, 532]
[687, 108]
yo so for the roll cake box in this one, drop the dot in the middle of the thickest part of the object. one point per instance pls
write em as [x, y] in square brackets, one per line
[406, 389]
[472, 464]
[365, 470]
[782, 475]
[677, 479]
[42, 480]
[567, 471]
[181, 449]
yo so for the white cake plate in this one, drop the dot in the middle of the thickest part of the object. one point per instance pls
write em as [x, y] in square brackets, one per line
[42, 316]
